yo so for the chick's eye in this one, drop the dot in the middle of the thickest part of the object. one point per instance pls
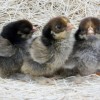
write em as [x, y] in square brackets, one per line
[58, 27]
[98, 28]
[83, 30]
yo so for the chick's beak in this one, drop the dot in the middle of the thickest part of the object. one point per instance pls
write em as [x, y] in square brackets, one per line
[69, 26]
[90, 31]
[35, 28]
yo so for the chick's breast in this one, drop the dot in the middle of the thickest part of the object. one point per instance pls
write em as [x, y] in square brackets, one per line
[39, 52]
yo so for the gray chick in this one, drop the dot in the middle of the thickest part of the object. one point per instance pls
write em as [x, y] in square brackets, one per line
[85, 58]
[50, 50]
[13, 42]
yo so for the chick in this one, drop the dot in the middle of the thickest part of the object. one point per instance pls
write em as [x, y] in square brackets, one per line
[50, 50]
[18, 31]
[88, 26]
[85, 58]
[13, 42]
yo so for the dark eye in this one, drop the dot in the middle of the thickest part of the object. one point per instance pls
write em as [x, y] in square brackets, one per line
[98, 28]
[83, 31]
[58, 27]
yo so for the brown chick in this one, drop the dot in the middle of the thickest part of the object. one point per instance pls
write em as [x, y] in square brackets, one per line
[49, 51]
[85, 58]
[89, 26]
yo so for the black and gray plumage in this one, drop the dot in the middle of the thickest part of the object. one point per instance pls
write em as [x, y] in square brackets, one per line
[85, 58]
[12, 46]
[50, 50]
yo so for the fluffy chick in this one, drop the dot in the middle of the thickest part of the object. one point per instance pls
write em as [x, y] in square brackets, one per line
[85, 58]
[17, 31]
[50, 50]
[12, 46]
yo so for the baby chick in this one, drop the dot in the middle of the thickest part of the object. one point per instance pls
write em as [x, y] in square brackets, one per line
[12, 46]
[50, 50]
[18, 31]
[85, 58]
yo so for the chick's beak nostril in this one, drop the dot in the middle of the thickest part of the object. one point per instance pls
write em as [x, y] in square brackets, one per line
[69, 26]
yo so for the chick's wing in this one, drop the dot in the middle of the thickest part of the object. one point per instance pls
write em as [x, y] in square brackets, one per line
[6, 48]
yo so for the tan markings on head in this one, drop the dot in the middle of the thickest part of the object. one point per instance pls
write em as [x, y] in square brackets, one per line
[61, 35]
[65, 20]
[89, 24]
